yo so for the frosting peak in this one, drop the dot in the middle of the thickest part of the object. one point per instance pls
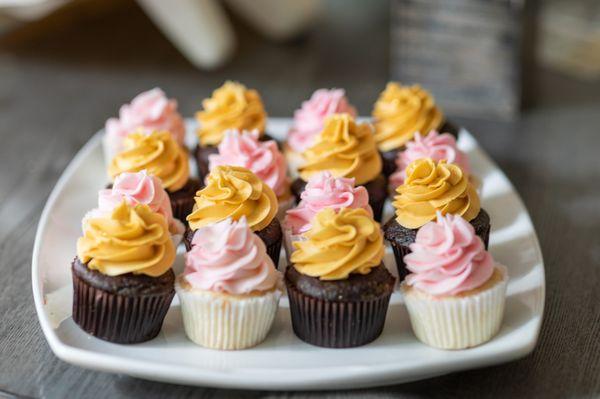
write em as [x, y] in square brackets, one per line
[228, 257]
[157, 153]
[132, 239]
[345, 148]
[233, 192]
[232, 106]
[310, 119]
[323, 190]
[339, 244]
[400, 111]
[447, 258]
[261, 157]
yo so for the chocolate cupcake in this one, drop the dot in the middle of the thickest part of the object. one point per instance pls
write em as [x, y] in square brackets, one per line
[430, 187]
[232, 106]
[161, 156]
[338, 287]
[123, 283]
[346, 149]
[400, 112]
[233, 192]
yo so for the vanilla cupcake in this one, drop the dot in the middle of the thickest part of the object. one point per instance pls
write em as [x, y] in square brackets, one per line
[230, 289]
[261, 157]
[455, 292]
[148, 111]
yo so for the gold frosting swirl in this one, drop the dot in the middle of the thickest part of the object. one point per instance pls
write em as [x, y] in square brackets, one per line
[233, 192]
[400, 111]
[157, 153]
[232, 106]
[431, 187]
[339, 243]
[344, 148]
[130, 240]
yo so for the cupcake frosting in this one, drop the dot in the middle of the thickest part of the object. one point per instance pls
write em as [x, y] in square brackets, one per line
[322, 191]
[158, 154]
[345, 148]
[233, 192]
[448, 258]
[434, 186]
[147, 112]
[435, 146]
[232, 106]
[400, 112]
[261, 157]
[338, 244]
[228, 257]
[131, 239]
[309, 120]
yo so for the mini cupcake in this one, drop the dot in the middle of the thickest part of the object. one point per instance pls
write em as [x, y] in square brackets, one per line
[123, 283]
[160, 155]
[455, 292]
[339, 289]
[134, 189]
[430, 187]
[400, 112]
[261, 157]
[230, 289]
[148, 112]
[232, 106]
[346, 149]
[310, 120]
[323, 190]
[234, 192]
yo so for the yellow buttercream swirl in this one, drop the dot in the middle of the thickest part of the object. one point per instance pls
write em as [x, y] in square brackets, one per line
[233, 192]
[400, 111]
[157, 153]
[130, 240]
[338, 244]
[431, 187]
[344, 148]
[232, 106]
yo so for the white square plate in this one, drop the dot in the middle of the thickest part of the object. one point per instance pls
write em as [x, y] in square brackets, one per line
[283, 361]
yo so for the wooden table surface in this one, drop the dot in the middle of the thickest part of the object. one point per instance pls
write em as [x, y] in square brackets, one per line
[60, 80]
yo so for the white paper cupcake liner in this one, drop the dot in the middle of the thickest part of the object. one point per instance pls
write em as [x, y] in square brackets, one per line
[457, 322]
[226, 322]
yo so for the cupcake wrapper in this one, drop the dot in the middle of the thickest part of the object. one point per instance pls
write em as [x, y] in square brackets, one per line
[377, 206]
[182, 207]
[218, 322]
[457, 322]
[118, 318]
[274, 251]
[336, 324]
[284, 206]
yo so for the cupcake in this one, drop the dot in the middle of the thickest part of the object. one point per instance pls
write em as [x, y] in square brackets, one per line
[346, 149]
[430, 187]
[138, 188]
[234, 192]
[123, 283]
[339, 289]
[232, 106]
[148, 112]
[455, 292]
[230, 289]
[160, 155]
[261, 157]
[323, 190]
[400, 112]
[309, 120]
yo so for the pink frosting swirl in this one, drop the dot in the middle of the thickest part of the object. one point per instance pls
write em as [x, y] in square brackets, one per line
[323, 190]
[447, 258]
[435, 146]
[261, 157]
[309, 120]
[228, 257]
[148, 111]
